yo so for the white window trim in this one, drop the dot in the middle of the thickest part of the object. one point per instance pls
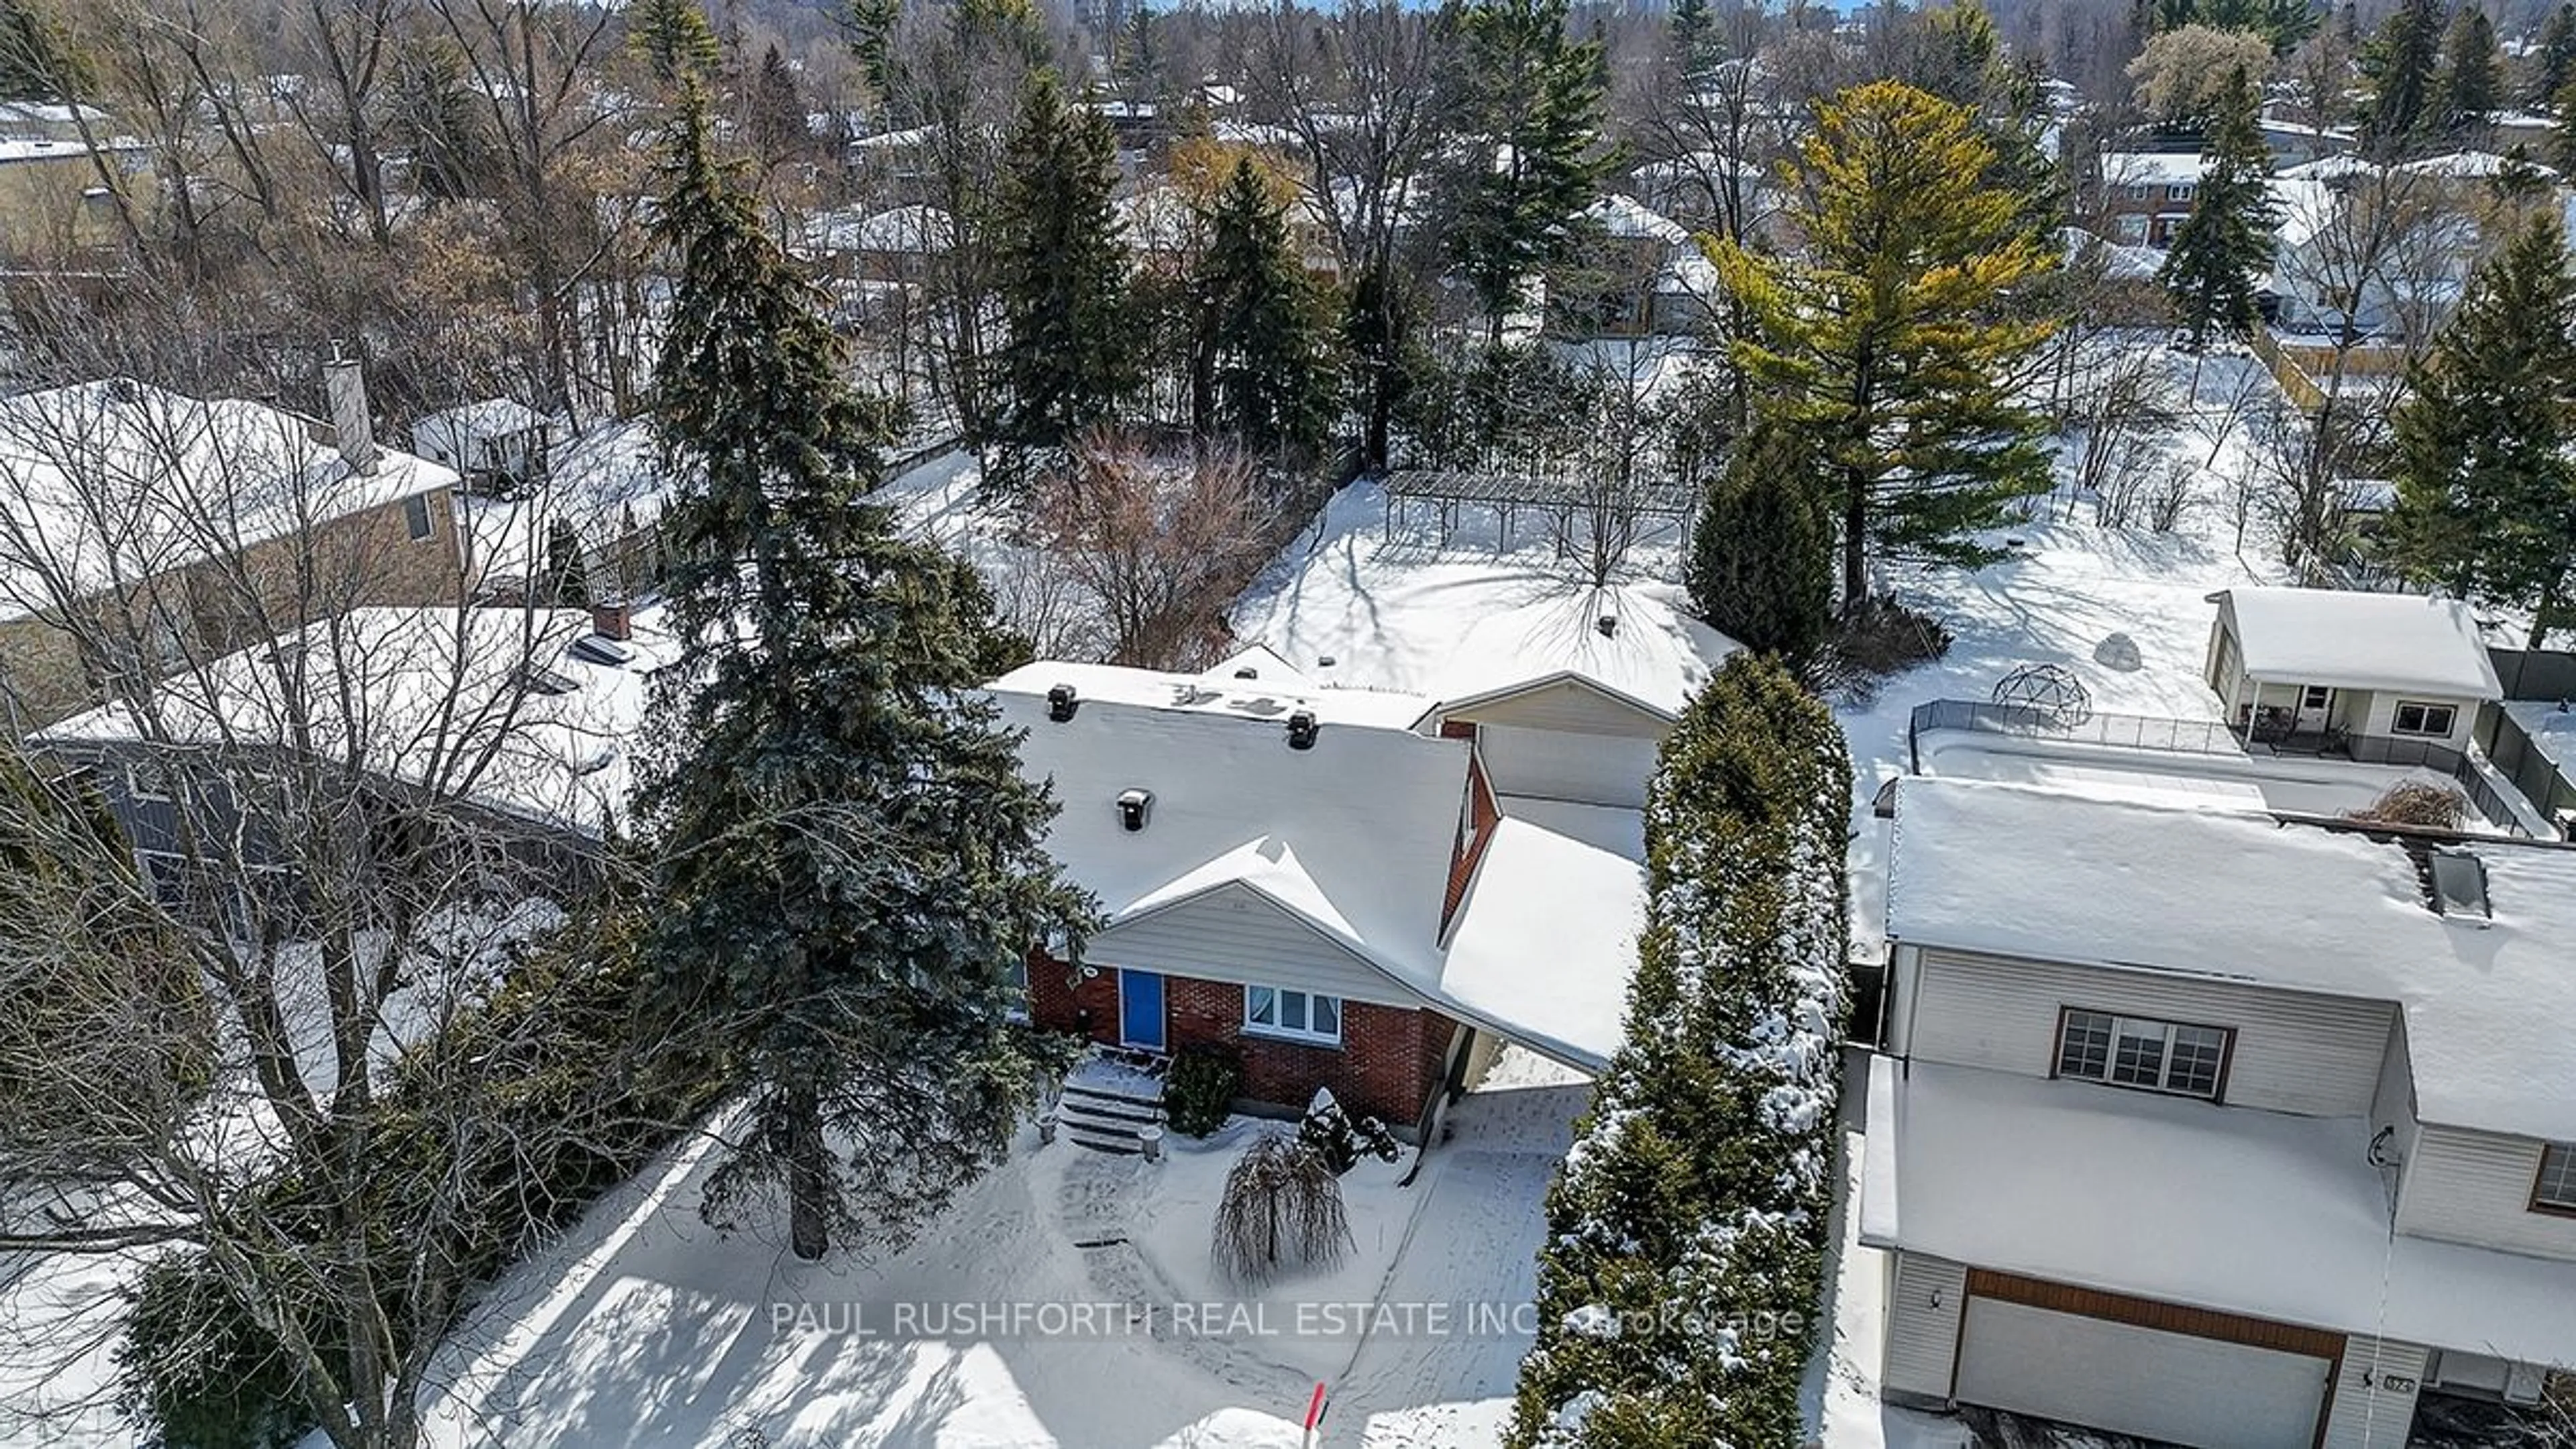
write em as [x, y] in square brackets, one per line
[2541, 1201]
[426, 526]
[2165, 1062]
[1302, 1035]
[2396, 715]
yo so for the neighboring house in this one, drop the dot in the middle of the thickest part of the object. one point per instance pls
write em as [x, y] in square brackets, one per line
[182, 528]
[897, 244]
[2378, 676]
[609, 486]
[2146, 194]
[2216, 1128]
[2379, 256]
[1322, 879]
[54, 202]
[498, 444]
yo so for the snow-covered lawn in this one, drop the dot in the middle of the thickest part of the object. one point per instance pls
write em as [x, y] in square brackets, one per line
[646, 1327]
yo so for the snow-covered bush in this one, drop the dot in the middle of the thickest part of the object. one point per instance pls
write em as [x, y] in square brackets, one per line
[1680, 1285]
[1282, 1207]
[1333, 1136]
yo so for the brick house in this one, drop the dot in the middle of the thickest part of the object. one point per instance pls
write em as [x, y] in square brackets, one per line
[2145, 195]
[1322, 880]
[174, 528]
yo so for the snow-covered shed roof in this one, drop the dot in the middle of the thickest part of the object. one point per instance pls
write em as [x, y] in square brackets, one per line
[2357, 640]
[604, 482]
[2153, 168]
[1657, 654]
[449, 432]
[116, 481]
[484, 705]
[1629, 219]
[1353, 834]
[2267, 1214]
[2048, 876]
[2119, 263]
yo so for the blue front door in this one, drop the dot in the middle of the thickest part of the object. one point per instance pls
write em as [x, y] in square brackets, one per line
[1140, 1009]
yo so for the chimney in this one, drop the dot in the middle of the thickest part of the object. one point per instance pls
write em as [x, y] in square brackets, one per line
[344, 382]
[1061, 703]
[613, 620]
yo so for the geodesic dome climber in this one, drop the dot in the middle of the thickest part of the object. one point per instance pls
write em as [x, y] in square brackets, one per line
[2048, 693]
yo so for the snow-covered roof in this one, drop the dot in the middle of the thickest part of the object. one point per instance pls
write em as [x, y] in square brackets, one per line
[2328, 168]
[2048, 876]
[16, 149]
[2357, 640]
[449, 429]
[901, 229]
[1353, 835]
[111, 481]
[2267, 1214]
[2469, 165]
[1629, 219]
[1159, 219]
[2153, 168]
[1547, 939]
[1658, 655]
[605, 481]
[439, 698]
[2119, 263]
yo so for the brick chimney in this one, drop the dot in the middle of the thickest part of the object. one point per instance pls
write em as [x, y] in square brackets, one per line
[613, 620]
[353, 426]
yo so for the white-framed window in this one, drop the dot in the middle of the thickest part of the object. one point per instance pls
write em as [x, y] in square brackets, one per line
[2130, 229]
[2134, 191]
[2423, 719]
[1302, 1015]
[2135, 1051]
[416, 516]
[2181, 191]
[2555, 1191]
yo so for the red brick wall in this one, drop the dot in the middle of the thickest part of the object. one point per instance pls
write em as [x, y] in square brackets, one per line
[1056, 1004]
[1482, 812]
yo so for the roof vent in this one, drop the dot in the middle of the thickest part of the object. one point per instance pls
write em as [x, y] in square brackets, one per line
[1135, 807]
[2460, 885]
[1301, 730]
[1247, 672]
[600, 649]
[1608, 624]
[1061, 701]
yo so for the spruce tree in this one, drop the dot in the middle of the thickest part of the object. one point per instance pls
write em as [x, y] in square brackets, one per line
[1260, 375]
[1893, 342]
[2469, 88]
[2400, 62]
[850, 860]
[2226, 242]
[1761, 563]
[1535, 107]
[1070, 358]
[673, 38]
[2486, 492]
[2553, 60]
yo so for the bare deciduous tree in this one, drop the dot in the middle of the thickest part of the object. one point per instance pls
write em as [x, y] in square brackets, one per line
[1160, 546]
[1282, 1208]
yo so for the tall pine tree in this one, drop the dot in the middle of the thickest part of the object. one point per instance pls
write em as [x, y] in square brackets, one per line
[2226, 242]
[1535, 109]
[2401, 61]
[2486, 492]
[1892, 341]
[2553, 60]
[672, 38]
[1761, 563]
[1260, 373]
[1069, 361]
[2469, 88]
[851, 867]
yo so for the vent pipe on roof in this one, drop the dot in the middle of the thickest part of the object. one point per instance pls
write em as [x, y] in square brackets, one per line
[1608, 624]
[1301, 730]
[1135, 807]
[1061, 703]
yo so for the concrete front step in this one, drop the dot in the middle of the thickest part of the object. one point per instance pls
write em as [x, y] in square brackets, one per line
[1110, 1106]
[1124, 1144]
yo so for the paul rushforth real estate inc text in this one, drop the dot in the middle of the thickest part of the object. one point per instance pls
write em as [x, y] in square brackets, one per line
[972, 1320]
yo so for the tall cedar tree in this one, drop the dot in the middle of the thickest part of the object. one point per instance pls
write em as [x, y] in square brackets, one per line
[2553, 60]
[1535, 106]
[2226, 242]
[1260, 376]
[673, 39]
[851, 865]
[2401, 61]
[2486, 493]
[2282, 22]
[1893, 342]
[1070, 358]
[2470, 86]
[1761, 564]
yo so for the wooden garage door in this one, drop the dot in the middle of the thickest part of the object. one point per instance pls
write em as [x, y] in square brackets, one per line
[1565, 765]
[2132, 1379]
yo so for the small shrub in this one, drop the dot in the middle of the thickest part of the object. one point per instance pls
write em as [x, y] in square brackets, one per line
[1201, 1088]
[2418, 803]
[1282, 1206]
[1328, 1131]
[199, 1370]
[1875, 639]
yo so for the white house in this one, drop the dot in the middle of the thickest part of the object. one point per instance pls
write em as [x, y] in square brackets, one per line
[499, 443]
[2214, 1129]
[2372, 673]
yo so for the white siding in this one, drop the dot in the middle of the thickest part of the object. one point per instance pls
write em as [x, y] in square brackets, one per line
[2382, 719]
[1569, 706]
[1588, 769]
[2475, 1187]
[1233, 934]
[1923, 1336]
[2371, 1415]
[2315, 1055]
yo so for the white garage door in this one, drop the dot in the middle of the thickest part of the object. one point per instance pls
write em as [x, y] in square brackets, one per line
[2132, 1380]
[1564, 765]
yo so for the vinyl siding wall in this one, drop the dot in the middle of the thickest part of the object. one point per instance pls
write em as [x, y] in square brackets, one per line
[2475, 1187]
[2294, 1052]
[1233, 934]
[2368, 1415]
[1567, 707]
[1923, 1337]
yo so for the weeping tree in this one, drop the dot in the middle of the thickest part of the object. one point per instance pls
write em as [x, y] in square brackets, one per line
[1282, 1207]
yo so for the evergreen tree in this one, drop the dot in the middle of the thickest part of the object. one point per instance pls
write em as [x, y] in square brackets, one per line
[2226, 242]
[2553, 60]
[2400, 62]
[2284, 23]
[1534, 108]
[850, 859]
[1761, 565]
[1893, 342]
[1260, 374]
[673, 38]
[773, 111]
[35, 62]
[438, 117]
[1070, 358]
[567, 570]
[2486, 491]
[2470, 86]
